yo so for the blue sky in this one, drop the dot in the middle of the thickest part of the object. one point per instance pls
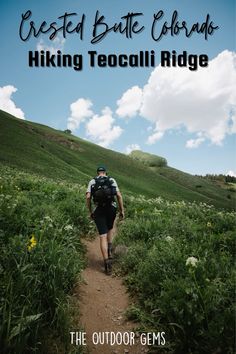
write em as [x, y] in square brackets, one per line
[187, 117]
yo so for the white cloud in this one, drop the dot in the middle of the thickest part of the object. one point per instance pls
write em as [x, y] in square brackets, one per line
[233, 125]
[231, 173]
[131, 148]
[101, 128]
[201, 101]
[130, 102]
[55, 45]
[80, 110]
[154, 137]
[194, 143]
[6, 102]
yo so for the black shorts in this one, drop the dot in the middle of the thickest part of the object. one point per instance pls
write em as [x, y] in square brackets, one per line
[104, 218]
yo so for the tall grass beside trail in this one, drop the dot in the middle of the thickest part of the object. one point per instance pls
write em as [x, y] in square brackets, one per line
[180, 267]
[41, 223]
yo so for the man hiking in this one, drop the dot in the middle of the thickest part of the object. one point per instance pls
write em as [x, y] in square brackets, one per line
[103, 189]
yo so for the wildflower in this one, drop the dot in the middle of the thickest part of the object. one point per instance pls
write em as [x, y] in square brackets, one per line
[68, 227]
[169, 239]
[209, 224]
[191, 261]
[47, 218]
[32, 243]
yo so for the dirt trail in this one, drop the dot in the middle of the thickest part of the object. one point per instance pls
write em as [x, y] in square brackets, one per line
[103, 301]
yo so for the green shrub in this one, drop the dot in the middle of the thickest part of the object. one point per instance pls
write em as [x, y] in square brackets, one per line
[148, 159]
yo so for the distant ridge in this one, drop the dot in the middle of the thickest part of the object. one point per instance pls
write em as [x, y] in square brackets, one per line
[45, 151]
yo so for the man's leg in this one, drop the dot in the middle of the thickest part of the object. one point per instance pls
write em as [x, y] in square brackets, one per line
[100, 221]
[109, 243]
[110, 224]
[103, 245]
[104, 250]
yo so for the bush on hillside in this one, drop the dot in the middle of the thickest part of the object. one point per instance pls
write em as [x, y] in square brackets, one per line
[148, 159]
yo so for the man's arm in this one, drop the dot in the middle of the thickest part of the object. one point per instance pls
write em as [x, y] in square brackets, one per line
[89, 204]
[120, 203]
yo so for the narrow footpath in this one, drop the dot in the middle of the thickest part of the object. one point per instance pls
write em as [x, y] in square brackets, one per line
[103, 301]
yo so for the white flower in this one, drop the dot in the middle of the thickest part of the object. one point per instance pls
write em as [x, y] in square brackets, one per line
[68, 227]
[191, 261]
[169, 239]
[47, 218]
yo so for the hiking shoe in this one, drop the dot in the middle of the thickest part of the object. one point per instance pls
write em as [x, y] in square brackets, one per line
[109, 253]
[109, 250]
[108, 266]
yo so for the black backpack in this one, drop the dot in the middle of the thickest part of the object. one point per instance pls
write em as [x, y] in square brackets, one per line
[103, 191]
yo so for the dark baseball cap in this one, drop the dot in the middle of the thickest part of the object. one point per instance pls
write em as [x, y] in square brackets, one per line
[101, 169]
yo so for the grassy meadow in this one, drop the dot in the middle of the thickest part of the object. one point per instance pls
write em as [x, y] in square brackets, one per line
[179, 265]
[41, 224]
[179, 237]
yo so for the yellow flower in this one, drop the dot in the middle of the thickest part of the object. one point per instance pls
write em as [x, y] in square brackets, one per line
[209, 224]
[32, 243]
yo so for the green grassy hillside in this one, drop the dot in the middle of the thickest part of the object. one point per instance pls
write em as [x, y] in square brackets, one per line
[45, 151]
[203, 186]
